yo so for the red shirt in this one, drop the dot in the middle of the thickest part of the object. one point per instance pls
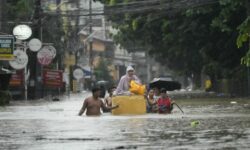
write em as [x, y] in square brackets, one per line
[164, 105]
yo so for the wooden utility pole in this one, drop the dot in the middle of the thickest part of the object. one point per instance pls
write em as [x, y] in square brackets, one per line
[32, 64]
[1, 16]
[90, 43]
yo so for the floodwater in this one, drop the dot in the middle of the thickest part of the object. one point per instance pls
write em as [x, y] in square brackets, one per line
[47, 125]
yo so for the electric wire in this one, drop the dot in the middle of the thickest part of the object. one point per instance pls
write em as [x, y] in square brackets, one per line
[140, 9]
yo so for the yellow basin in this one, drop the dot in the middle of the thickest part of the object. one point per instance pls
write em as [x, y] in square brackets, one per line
[129, 105]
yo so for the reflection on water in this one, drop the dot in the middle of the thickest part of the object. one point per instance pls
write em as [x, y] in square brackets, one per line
[54, 125]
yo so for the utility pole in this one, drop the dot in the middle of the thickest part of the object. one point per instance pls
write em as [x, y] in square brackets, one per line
[76, 39]
[32, 64]
[90, 43]
[1, 16]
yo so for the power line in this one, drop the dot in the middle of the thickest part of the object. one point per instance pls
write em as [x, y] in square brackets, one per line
[181, 4]
[170, 6]
[165, 8]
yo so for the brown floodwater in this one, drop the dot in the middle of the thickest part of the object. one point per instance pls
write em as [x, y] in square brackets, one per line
[46, 125]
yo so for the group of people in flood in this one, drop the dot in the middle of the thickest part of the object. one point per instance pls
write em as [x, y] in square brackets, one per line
[157, 99]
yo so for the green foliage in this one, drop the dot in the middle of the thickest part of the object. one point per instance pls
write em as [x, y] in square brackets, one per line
[53, 31]
[230, 7]
[5, 97]
[135, 24]
[189, 40]
[102, 71]
[112, 2]
[246, 59]
[20, 10]
[244, 30]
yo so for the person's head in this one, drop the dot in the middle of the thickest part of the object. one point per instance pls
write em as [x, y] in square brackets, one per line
[111, 90]
[163, 92]
[151, 93]
[156, 91]
[130, 71]
[96, 91]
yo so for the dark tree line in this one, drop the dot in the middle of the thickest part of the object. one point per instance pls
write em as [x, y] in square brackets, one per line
[210, 38]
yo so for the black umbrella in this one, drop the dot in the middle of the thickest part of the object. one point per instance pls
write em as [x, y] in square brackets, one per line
[102, 82]
[166, 83]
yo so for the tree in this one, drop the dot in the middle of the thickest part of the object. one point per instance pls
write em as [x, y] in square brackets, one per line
[102, 71]
[188, 40]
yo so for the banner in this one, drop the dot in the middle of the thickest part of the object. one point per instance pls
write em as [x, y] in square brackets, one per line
[6, 47]
[17, 79]
[53, 78]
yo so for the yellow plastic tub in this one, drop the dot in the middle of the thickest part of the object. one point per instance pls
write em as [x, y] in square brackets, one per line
[129, 105]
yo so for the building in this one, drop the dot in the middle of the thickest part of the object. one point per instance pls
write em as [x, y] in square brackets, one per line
[76, 16]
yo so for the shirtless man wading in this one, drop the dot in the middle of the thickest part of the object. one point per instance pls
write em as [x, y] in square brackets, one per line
[93, 104]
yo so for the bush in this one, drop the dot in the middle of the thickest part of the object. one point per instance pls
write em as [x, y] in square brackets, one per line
[5, 97]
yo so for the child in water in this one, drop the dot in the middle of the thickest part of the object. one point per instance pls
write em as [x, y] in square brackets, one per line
[165, 105]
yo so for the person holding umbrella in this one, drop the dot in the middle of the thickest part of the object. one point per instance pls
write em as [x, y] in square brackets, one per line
[165, 84]
[165, 104]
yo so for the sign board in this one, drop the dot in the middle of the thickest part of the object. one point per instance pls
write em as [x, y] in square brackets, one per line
[22, 32]
[45, 56]
[53, 50]
[6, 47]
[78, 74]
[20, 61]
[34, 44]
[83, 61]
[87, 72]
[69, 60]
[17, 79]
[53, 78]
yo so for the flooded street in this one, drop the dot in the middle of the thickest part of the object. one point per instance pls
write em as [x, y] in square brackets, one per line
[47, 125]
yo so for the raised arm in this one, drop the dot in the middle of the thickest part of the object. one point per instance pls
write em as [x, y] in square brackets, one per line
[106, 108]
[150, 101]
[107, 101]
[84, 106]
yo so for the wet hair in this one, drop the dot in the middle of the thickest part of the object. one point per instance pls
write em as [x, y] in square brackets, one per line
[94, 89]
[111, 88]
[150, 90]
[163, 90]
[156, 88]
